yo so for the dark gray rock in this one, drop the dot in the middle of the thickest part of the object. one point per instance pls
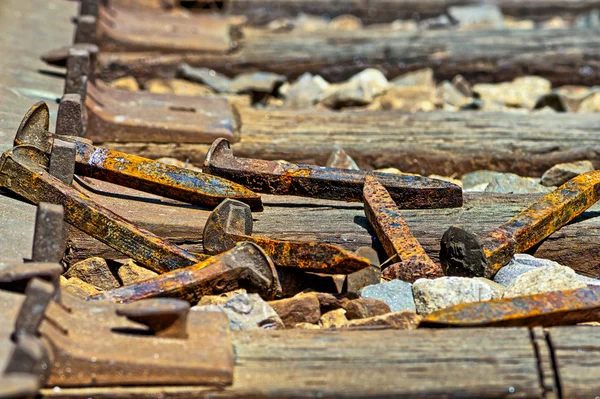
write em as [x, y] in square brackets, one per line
[563, 172]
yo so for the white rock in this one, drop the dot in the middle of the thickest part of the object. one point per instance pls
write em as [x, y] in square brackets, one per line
[432, 295]
[544, 279]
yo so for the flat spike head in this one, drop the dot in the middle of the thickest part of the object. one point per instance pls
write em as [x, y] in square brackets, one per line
[231, 217]
[462, 254]
[219, 149]
[33, 129]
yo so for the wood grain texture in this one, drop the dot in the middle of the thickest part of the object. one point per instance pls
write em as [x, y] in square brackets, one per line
[345, 224]
[444, 143]
[370, 363]
[378, 11]
[488, 55]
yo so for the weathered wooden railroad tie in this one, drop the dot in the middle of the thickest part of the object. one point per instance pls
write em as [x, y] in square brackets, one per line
[249, 276]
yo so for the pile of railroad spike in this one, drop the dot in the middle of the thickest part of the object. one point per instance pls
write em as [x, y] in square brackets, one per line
[50, 325]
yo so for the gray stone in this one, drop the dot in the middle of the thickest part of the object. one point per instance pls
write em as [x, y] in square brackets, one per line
[421, 77]
[451, 95]
[361, 89]
[339, 159]
[479, 16]
[439, 22]
[433, 295]
[255, 82]
[589, 20]
[563, 172]
[523, 263]
[246, 312]
[477, 178]
[213, 79]
[522, 92]
[509, 183]
[544, 279]
[305, 91]
[396, 293]
[252, 82]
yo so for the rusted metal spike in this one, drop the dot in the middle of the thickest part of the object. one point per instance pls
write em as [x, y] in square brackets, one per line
[231, 222]
[69, 118]
[21, 173]
[395, 236]
[278, 177]
[29, 357]
[132, 171]
[86, 29]
[245, 266]
[78, 70]
[166, 317]
[16, 277]
[62, 161]
[38, 295]
[463, 253]
[547, 309]
[49, 241]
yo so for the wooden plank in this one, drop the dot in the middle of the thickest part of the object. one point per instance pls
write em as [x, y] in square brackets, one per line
[576, 351]
[359, 364]
[489, 55]
[345, 224]
[379, 11]
[444, 143]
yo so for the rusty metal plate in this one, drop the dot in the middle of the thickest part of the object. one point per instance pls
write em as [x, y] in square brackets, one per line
[119, 115]
[92, 344]
[151, 30]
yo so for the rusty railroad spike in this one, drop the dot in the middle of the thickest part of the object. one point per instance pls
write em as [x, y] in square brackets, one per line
[283, 178]
[244, 266]
[395, 236]
[23, 173]
[130, 170]
[231, 222]
[463, 253]
[546, 309]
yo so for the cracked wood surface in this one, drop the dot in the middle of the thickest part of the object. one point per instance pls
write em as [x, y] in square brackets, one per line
[564, 56]
[378, 11]
[443, 143]
[361, 364]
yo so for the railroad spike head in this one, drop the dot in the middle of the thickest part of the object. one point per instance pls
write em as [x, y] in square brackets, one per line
[28, 155]
[462, 254]
[231, 217]
[220, 149]
[33, 129]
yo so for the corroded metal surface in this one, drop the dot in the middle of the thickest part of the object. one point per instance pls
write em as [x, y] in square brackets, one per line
[126, 116]
[21, 172]
[132, 171]
[395, 235]
[283, 178]
[231, 222]
[245, 266]
[147, 30]
[463, 253]
[547, 309]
